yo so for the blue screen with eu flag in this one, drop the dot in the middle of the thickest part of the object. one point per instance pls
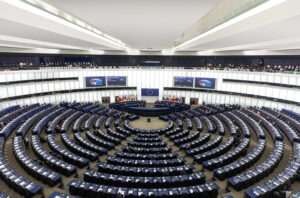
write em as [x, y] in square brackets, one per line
[150, 92]
[95, 81]
[208, 83]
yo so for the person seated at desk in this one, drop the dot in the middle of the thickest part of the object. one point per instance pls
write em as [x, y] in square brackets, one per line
[1, 125]
[26, 142]
[165, 171]
[285, 192]
[120, 195]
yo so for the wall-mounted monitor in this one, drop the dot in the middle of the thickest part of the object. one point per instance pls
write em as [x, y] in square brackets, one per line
[95, 81]
[116, 81]
[208, 83]
[150, 92]
[180, 81]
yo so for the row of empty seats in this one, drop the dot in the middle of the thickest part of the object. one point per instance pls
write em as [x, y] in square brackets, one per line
[147, 166]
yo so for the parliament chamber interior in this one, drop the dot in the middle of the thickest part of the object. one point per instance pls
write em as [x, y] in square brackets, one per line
[158, 99]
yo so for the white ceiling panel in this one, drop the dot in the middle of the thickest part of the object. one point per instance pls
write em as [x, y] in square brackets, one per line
[140, 23]
[14, 29]
[285, 29]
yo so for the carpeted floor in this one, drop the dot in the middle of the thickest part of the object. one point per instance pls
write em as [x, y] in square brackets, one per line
[143, 124]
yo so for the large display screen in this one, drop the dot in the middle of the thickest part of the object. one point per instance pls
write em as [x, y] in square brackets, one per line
[150, 92]
[183, 81]
[208, 83]
[116, 81]
[95, 81]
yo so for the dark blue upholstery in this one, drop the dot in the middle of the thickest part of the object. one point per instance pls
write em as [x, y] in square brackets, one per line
[291, 134]
[51, 114]
[66, 155]
[257, 128]
[228, 157]
[9, 116]
[225, 166]
[32, 167]
[164, 118]
[223, 148]
[141, 139]
[16, 181]
[80, 188]
[198, 123]
[97, 140]
[74, 105]
[89, 145]
[98, 109]
[268, 125]
[123, 131]
[242, 125]
[179, 135]
[143, 171]
[197, 142]
[230, 124]
[185, 139]
[52, 161]
[145, 163]
[220, 126]
[158, 156]
[88, 123]
[5, 132]
[79, 121]
[67, 122]
[289, 173]
[90, 108]
[210, 127]
[83, 106]
[79, 150]
[108, 121]
[53, 125]
[22, 130]
[146, 144]
[107, 137]
[144, 182]
[116, 134]
[292, 113]
[102, 112]
[205, 147]
[7, 110]
[99, 121]
[147, 150]
[260, 171]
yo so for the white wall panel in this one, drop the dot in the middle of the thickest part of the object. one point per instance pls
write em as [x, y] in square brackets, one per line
[3, 91]
[277, 79]
[11, 92]
[285, 80]
[51, 87]
[298, 81]
[264, 78]
[271, 78]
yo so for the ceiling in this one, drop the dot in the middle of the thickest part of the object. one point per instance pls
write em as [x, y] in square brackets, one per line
[141, 24]
[148, 28]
